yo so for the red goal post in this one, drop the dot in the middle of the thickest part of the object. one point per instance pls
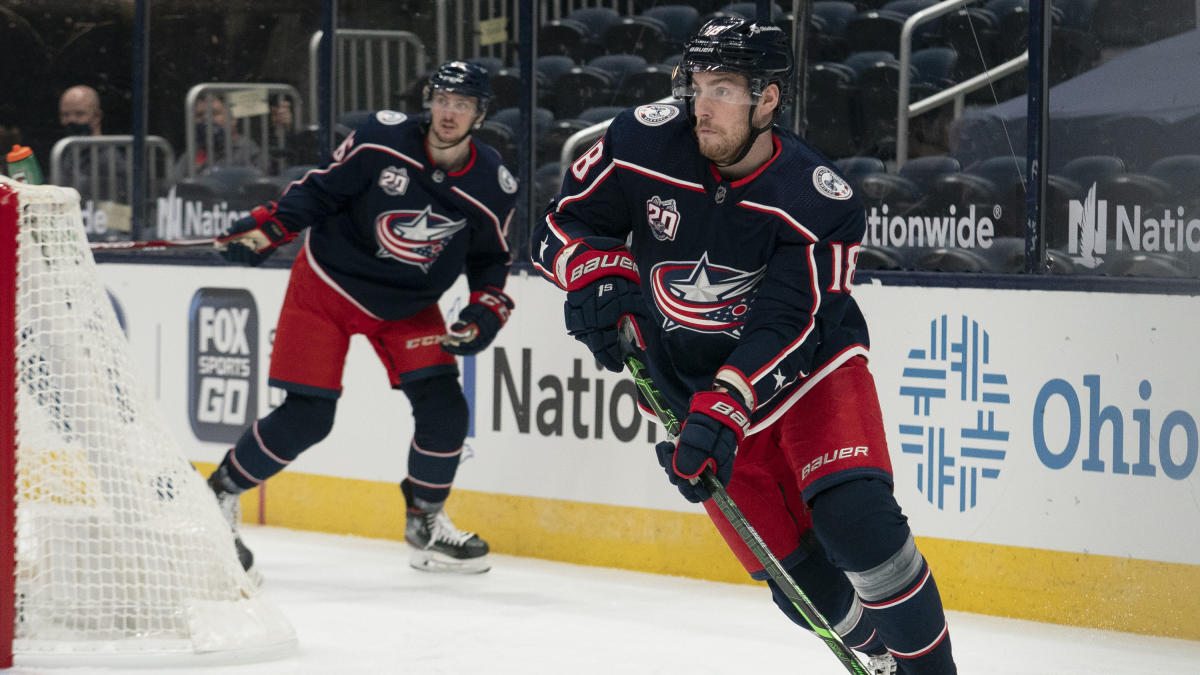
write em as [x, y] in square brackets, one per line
[114, 551]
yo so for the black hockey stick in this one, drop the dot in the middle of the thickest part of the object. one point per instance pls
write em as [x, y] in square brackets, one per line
[774, 569]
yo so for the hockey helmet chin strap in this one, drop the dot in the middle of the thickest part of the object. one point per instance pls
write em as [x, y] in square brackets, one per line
[754, 134]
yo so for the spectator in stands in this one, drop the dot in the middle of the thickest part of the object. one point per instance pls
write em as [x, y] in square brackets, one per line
[100, 172]
[216, 151]
[79, 111]
[288, 145]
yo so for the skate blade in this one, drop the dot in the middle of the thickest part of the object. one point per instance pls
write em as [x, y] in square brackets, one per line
[428, 561]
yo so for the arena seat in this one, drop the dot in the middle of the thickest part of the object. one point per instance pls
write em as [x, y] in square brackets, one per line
[948, 259]
[1088, 169]
[501, 137]
[1133, 189]
[881, 258]
[618, 66]
[645, 86]
[564, 37]
[597, 21]
[680, 20]
[831, 97]
[854, 169]
[602, 113]
[550, 143]
[924, 170]
[1182, 173]
[972, 33]
[506, 87]
[1142, 264]
[580, 88]
[547, 181]
[643, 36]
[511, 118]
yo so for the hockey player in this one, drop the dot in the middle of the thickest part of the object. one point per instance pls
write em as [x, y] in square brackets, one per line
[407, 205]
[741, 249]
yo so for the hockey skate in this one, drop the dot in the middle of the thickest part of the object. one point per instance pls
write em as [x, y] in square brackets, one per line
[231, 508]
[881, 665]
[438, 545]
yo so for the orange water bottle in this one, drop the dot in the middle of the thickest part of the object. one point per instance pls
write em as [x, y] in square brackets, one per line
[23, 166]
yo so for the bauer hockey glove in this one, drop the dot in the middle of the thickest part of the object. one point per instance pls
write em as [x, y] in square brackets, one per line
[602, 287]
[716, 423]
[253, 238]
[478, 322]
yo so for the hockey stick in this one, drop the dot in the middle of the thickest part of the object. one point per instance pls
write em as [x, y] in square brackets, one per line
[774, 569]
[154, 244]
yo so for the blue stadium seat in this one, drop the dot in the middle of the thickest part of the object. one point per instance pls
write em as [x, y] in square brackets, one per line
[598, 114]
[618, 66]
[854, 169]
[749, 10]
[972, 33]
[1139, 264]
[831, 109]
[491, 64]
[874, 30]
[882, 258]
[1182, 173]
[681, 21]
[898, 192]
[1088, 169]
[501, 137]
[646, 85]
[935, 67]
[551, 66]
[550, 143]
[643, 36]
[547, 182]
[954, 260]
[924, 171]
[827, 34]
[564, 37]
[1137, 139]
[506, 87]
[511, 118]
[597, 21]
[580, 88]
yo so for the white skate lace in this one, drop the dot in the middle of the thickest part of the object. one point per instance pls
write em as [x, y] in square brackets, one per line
[441, 529]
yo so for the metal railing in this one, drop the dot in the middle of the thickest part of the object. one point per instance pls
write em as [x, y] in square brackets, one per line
[956, 93]
[370, 67]
[248, 135]
[101, 167]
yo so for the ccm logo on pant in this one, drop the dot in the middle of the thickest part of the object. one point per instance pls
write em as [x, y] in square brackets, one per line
[422, 341]
[831, 457]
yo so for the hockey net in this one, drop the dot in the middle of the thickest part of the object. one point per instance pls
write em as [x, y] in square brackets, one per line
[119, 554]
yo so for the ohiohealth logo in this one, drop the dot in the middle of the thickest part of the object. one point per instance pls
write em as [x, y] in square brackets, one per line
[957, 396]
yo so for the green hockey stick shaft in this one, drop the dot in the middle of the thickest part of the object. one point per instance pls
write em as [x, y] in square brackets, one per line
[745, 530]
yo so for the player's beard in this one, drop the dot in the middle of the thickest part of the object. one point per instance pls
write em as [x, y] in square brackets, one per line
[448, 138]
[722, 147]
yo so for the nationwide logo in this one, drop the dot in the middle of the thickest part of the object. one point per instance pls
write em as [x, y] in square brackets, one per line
[183, 218]
[704, 297]
[1089, 236]
[957, 428]
[414, 237]
[953, 228]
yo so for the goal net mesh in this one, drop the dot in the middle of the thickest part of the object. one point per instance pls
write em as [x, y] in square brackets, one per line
[120, 546]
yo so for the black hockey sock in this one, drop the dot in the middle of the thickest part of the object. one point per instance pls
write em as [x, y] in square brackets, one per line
[271, 443]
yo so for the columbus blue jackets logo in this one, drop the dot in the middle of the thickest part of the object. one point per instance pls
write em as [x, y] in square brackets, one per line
[655, 114]
[663, 218]
[414, 237]
[700, 296]
[829, 184]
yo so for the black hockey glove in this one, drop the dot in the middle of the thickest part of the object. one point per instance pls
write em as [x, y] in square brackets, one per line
[716, 423]
[478, 322]
[602, 287]
[253, 238]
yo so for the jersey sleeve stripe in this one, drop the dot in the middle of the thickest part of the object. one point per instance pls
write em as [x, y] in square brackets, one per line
[808, 329]
[365, 146]
[795, 225]
[488, 212]
[587, 191]
[649, 173]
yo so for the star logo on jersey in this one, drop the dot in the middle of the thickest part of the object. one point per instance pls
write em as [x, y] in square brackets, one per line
[414, 237]
[700, 296]
[662, 217]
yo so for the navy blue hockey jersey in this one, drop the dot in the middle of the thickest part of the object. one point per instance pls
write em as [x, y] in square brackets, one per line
[392, 230]
[749, 279]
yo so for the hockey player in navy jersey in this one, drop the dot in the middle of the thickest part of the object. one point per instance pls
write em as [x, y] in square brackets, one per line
[741, 250]
[407, 205]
